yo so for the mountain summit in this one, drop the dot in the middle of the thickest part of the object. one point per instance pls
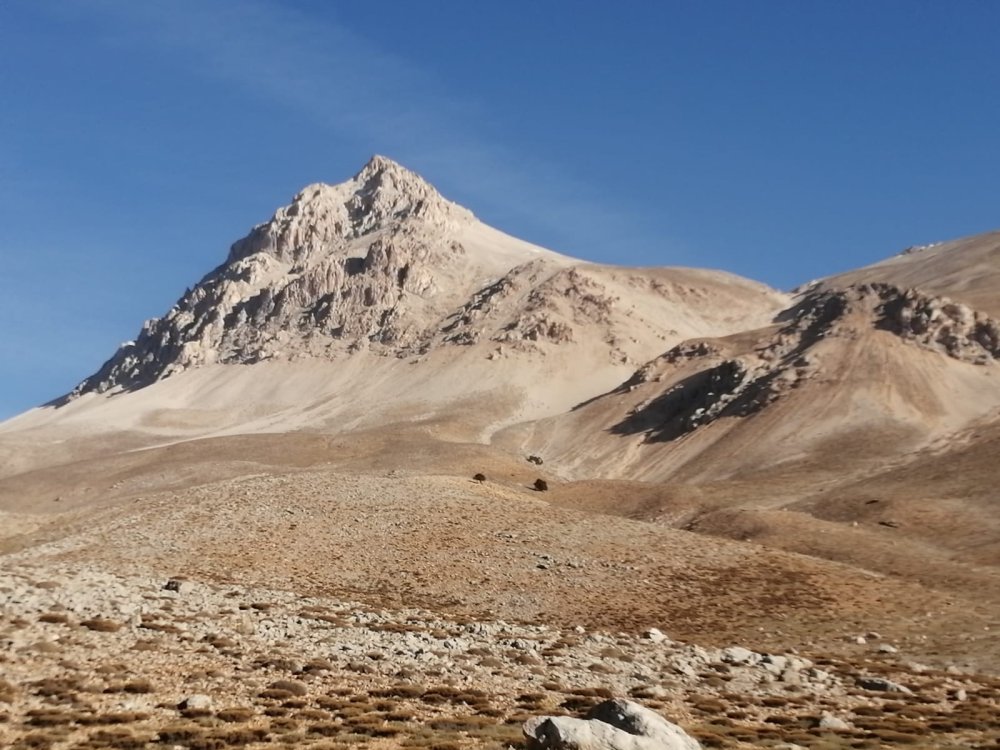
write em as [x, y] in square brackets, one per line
[322, 217]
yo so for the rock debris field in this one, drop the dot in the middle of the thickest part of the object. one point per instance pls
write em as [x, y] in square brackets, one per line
[93, 660]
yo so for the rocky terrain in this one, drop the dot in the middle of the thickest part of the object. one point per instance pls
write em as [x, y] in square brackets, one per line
[97, 660]
[388, 477]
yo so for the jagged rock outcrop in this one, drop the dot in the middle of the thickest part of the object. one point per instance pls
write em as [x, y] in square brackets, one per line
[569, 295]
[549, 306]
[737, 386]
[940, 323]
[383, 193]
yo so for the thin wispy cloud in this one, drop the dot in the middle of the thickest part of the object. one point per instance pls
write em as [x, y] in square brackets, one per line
[360, 91]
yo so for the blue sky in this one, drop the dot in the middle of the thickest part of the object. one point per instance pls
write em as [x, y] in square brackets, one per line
[780, 140]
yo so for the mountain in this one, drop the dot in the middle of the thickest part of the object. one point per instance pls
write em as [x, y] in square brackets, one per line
[687, 449]
[377, 299]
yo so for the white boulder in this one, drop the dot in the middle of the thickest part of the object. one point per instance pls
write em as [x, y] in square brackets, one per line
[612, 725]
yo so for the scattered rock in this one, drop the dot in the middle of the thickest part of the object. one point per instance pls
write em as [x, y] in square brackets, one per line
[791, 677]
[832, 723]
[655, 635]
[739, 655]
[537, 460]
[684, 667]
[244, 624]
[886, 648]
[820, 675]
[179, 585]
[479, 477]
[883, 685]
[541, 485]
[196, 702]
[774, 664]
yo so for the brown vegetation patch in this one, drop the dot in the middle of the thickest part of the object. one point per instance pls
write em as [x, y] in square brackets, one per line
[235, 714]
[102, 625]
[54, 618]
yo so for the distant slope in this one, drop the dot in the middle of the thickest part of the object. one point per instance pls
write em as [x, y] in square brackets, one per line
[944, 496]
[848, 379]
[967, 270]
[861, 427]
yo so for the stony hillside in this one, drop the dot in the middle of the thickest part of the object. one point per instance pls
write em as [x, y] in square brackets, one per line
[966, 270]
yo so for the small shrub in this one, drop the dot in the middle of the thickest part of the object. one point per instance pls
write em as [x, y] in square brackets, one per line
[101, 625]
[161, 627]
[138, 687]
[326, 729]
[54, 618]
[179, 734]
[50, 717]
[235, 714]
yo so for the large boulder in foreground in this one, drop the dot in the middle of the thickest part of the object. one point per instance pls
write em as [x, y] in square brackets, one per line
[612, 725]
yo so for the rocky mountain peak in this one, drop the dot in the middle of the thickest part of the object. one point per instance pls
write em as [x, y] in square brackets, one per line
[388, 191]
[380, 170]
[379, 260]
[382, 196]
